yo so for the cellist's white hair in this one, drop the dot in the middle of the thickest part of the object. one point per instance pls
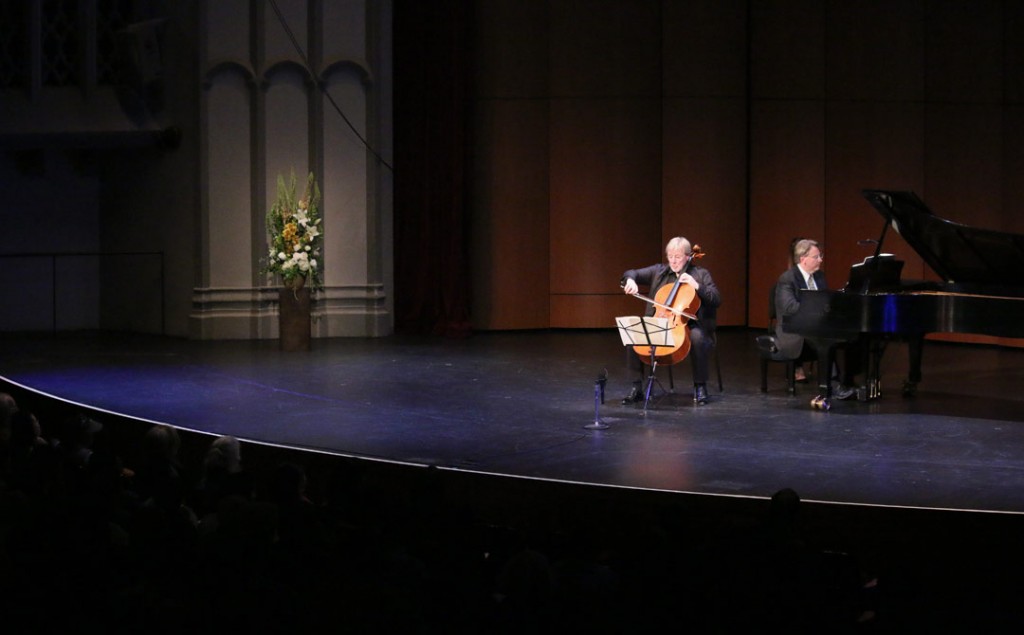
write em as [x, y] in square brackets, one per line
[679, 243]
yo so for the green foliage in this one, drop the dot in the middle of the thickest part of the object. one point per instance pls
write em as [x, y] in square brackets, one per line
[295, 233]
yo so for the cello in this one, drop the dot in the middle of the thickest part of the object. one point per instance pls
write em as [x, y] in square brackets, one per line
[678, 303]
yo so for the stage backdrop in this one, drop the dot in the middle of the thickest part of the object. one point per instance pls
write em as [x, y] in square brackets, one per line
[600, 129]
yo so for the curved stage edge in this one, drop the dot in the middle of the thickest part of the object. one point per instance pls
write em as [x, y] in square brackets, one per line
[498, 425]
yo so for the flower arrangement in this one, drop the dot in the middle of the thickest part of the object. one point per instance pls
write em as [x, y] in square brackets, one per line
[293, 226]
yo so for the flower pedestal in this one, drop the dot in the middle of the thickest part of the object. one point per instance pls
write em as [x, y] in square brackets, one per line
[294, 241]
[294, 318]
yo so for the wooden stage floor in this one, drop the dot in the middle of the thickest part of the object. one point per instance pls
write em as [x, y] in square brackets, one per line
[519, 404]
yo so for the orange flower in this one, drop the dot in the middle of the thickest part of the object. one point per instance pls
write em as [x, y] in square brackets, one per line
[290, 234]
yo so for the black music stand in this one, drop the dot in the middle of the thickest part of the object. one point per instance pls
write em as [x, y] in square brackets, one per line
[646, 331]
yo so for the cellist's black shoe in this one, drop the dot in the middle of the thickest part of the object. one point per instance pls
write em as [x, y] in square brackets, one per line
[700, 394]
[635, 395]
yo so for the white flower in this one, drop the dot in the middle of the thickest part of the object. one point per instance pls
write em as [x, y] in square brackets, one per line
[281, 256]
[300, 260]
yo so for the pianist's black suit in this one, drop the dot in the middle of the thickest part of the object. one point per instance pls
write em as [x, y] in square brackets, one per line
[787, 300]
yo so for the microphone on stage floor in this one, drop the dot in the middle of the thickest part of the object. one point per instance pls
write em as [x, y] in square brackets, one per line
[602, 378]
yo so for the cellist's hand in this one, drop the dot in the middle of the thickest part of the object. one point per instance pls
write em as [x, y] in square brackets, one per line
[690, 280]
[630, 287]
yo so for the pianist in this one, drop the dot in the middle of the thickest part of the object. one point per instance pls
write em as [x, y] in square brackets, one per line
[806, 275]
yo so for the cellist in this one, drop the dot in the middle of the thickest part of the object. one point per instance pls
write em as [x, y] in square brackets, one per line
[680, 267]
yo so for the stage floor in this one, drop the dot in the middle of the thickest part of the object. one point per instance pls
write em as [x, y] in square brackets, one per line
[520, 403]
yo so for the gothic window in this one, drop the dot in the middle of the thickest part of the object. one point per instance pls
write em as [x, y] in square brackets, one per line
[111, 17]
[61, 43]
[13, 45]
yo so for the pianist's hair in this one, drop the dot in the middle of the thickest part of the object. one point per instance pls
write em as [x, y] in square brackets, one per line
[801, 248]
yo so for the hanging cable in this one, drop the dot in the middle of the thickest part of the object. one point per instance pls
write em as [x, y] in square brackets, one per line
[337, 108]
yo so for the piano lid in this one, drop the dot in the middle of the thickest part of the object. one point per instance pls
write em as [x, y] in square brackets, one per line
[958, 253]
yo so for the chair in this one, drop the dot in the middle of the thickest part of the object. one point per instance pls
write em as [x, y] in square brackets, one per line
[769, 351]
[718, 364]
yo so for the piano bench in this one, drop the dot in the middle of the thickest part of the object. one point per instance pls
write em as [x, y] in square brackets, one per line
[769, 351]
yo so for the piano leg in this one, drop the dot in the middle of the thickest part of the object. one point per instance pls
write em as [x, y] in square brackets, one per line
[872, 388]
[915, 351]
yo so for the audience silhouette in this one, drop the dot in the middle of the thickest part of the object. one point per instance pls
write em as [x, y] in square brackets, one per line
[137, 535]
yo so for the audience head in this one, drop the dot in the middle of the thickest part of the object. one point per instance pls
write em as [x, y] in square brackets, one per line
[785, 505]
[25, 430]
[7, 404]
[77, 436]
[224, 456]
[7, 408]
[161, 444]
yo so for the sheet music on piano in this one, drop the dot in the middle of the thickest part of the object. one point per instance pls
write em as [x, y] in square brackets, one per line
[883, 271]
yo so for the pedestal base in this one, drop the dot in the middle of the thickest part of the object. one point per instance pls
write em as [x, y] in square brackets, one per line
[294, 319]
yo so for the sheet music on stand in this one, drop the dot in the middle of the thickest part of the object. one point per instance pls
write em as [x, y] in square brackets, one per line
[645, 331]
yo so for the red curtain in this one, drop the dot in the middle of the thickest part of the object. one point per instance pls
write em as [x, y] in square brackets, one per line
[432, 72]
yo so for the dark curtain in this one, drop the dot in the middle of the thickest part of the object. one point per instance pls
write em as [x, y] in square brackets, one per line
[432, 71]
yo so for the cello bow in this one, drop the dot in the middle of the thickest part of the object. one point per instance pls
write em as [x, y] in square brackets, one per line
[679, 312]
[696, 253]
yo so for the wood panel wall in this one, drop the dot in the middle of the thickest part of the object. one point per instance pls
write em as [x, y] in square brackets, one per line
[605, 127]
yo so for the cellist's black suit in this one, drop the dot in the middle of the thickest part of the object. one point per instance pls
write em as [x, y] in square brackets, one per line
[701, 330]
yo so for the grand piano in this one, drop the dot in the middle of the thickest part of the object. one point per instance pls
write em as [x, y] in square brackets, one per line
[981, 291]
